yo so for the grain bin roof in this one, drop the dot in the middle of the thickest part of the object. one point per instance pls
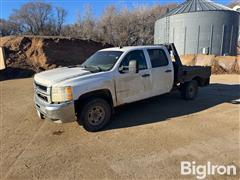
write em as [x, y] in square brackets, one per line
[196, 6]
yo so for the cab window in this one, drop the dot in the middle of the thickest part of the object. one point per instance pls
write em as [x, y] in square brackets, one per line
[137, 55]
[158, 57]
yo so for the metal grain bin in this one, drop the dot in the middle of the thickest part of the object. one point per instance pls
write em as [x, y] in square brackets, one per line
[199, 27]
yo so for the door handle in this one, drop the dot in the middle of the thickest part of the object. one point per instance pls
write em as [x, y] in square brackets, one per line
[169, 70]
[145, 75]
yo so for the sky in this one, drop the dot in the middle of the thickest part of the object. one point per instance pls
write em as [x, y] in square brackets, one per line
[74, 7]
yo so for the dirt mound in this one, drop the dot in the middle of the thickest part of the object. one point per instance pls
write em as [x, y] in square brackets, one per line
[26, 55]
[237, 65]
[219, 64]
[30, 54]
[188, 59]
[225, 64]
[204, 60]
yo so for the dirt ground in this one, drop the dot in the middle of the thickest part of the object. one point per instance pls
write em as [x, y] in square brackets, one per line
[145, 140]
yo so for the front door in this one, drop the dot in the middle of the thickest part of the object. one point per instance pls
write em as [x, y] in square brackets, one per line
[132, 87]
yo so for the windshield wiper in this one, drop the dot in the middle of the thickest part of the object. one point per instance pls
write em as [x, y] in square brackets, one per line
[73, 66]
[84, 66]
[99, 68]
[92, 66]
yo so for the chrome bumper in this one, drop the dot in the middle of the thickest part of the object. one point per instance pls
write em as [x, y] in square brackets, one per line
[59, 113]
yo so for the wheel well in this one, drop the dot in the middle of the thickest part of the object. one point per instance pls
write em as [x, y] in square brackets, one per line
[201, 81]
[103, 93]
[198, 79]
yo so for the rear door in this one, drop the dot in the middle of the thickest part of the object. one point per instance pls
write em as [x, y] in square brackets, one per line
[131, 87]
[161, 69]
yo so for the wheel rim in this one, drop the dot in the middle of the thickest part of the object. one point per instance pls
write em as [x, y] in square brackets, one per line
[96, 115]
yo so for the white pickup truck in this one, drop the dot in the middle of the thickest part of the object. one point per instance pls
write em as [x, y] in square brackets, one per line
[111, 77]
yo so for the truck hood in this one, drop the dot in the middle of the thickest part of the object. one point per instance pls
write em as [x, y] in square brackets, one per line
[54, 76]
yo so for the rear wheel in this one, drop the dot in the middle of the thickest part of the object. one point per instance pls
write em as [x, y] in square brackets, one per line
[189, 90]
[95, 114]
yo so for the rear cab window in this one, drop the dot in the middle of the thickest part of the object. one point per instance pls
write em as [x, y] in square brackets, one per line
[158, 57]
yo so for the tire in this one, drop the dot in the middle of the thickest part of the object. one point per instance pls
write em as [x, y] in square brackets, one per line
[94, 114]
[189, 90]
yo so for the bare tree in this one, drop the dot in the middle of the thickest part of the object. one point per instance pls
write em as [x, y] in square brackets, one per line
[8, 28]
[130, 27]
[61, 15]
[106, 25]
[38, 18]
[85, 26]
[233, 3]
[5, 28]
[117, 27]
[88, 23]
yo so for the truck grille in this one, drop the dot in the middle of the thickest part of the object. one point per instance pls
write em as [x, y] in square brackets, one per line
[41, 87]
[42, 92]
[43, 97]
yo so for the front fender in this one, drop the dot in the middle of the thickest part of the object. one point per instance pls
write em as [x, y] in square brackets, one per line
[95, 86]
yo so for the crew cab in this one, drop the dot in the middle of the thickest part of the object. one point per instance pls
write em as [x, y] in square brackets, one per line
[112, 77]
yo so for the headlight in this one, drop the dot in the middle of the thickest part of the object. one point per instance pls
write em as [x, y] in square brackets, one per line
[62, 94]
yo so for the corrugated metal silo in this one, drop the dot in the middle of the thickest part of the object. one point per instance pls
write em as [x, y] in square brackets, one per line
[237, 8]
[199, 26]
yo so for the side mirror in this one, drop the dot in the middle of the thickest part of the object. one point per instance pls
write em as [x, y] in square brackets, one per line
[123, 69]
[133, 66]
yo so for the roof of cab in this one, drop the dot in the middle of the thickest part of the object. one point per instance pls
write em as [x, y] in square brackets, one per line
[127, 48]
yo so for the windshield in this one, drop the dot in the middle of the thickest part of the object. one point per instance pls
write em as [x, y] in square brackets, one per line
[102, 60]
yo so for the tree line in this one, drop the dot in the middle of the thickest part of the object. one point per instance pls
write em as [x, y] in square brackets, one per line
[115, 26]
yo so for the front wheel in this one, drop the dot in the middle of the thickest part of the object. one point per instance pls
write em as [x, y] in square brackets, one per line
[189, 90]
[95, 114]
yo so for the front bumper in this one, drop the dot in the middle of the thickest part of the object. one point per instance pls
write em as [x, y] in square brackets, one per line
[59, 113]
